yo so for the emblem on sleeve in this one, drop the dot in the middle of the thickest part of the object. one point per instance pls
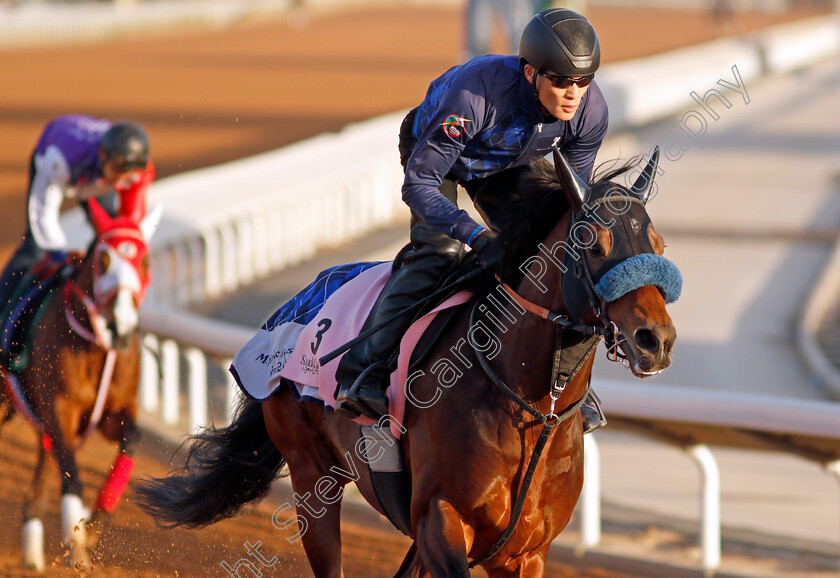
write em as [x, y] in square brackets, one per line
[454, 125]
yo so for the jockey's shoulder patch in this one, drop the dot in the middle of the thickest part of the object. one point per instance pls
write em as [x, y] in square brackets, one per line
[454, 125]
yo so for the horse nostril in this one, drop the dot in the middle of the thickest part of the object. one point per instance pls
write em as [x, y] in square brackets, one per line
[647, 340]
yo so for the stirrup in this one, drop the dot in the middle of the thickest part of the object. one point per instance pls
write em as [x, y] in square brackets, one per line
[365, 396]
[593, 415]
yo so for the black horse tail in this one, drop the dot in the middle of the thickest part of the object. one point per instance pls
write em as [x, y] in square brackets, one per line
[225, 469]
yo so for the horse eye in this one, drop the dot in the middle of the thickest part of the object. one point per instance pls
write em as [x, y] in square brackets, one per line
[144, 266]
[104, 260]
[596, 250]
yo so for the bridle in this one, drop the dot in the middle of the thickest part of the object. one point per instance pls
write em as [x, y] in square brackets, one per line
[578, 283]
[125, 249]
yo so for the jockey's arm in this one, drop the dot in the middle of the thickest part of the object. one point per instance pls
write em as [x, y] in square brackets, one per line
[438, 148]
[46, 193]
[132, 194]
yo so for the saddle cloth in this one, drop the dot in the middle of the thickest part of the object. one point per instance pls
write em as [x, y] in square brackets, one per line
[24, 308]
[324, 316]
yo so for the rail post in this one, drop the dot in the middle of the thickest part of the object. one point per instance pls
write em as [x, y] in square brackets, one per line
[834, 469]
[149, 374]
[197, 381]
[590, 496]
[169, 361]
[710, 507]
[233, 393]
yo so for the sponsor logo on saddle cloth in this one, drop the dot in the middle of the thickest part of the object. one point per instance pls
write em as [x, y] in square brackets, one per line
[318, 320]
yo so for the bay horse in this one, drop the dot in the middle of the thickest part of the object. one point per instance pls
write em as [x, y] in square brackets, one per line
[496, 462]
[82, 375]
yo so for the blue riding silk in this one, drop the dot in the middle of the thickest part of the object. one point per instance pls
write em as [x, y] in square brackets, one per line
[480, 118]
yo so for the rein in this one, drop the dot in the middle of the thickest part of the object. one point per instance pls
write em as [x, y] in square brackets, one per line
[559, 380]
[560, 319]
[98, 336]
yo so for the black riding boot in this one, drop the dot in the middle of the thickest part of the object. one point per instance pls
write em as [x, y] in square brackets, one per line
[364, 370]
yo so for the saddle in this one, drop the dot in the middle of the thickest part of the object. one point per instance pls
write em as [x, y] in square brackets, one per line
[469, 275]
[25, 308]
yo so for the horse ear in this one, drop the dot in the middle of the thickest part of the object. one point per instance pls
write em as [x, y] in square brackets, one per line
[100, 219]
[644, 184]
[575, 188]
[150, 221]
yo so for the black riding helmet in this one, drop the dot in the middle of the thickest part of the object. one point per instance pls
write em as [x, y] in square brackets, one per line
[126, 145]
[561, 41]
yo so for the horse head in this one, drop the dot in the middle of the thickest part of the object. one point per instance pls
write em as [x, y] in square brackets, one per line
[595, 245]
[615, 268]
[120, 271]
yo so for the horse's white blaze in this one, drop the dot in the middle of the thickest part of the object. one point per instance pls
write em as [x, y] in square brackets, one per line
[72, 520]
[33, 545]
[121, 274]
[126, 318]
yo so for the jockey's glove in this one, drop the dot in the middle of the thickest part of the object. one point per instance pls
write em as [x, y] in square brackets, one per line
[57, 256]
[488, 248]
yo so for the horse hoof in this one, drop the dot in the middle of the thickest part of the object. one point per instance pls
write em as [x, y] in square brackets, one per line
[93, 528]
[33, 545]
[78, 559]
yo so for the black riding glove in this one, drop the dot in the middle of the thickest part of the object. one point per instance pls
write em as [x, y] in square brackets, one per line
[488, 248]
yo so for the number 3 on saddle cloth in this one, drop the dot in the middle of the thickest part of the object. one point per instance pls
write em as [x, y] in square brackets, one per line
[28, 302]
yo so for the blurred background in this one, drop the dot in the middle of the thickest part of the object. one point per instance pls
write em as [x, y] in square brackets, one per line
[749, 208]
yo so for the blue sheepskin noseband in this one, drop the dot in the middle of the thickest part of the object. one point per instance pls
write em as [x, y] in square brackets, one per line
[638, 271]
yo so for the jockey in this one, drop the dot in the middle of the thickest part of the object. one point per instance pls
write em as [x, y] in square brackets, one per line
[487, 115]
[78, 157]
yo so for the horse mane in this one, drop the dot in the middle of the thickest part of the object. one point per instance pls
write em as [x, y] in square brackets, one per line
[534, 203]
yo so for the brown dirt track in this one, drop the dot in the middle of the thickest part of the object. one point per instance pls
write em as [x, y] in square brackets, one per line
[212, 96]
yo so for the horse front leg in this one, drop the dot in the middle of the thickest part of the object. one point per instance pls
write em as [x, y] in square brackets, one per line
[441, 541]
[412, 568]
[126, 432]
[34, 508]
[62, 433]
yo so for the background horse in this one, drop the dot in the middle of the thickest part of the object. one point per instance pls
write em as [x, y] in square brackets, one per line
[497, 418]
[82, 374]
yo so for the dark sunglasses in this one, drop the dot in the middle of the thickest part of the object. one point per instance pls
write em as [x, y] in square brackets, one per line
[558, 81]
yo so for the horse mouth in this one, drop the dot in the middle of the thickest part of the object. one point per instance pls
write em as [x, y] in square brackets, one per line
[639, 372]
[644, 365]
